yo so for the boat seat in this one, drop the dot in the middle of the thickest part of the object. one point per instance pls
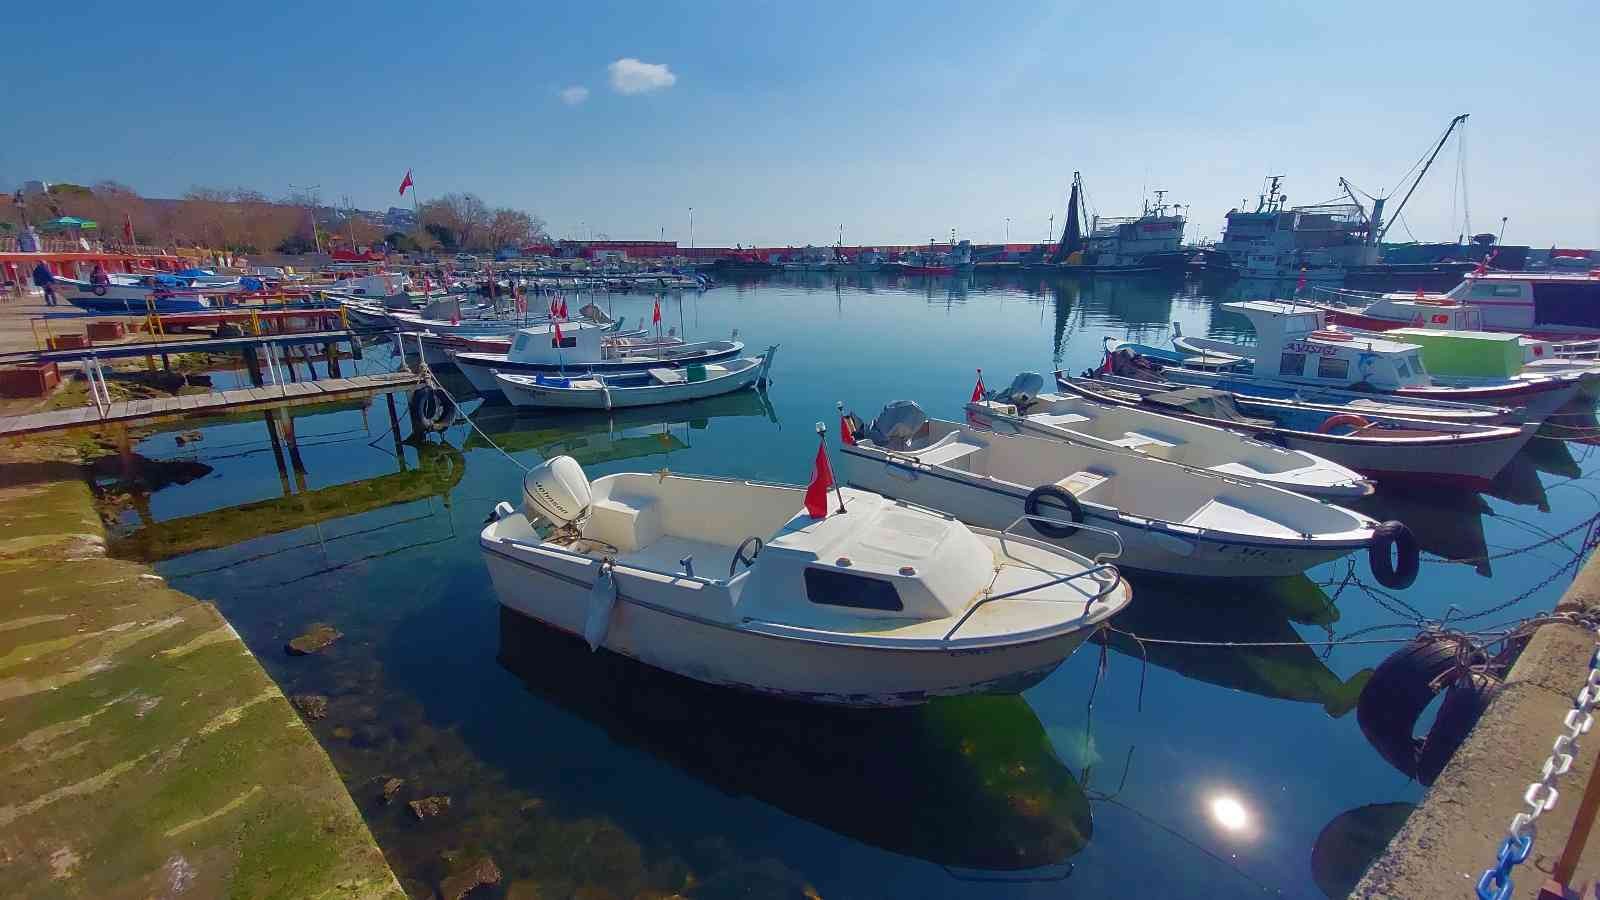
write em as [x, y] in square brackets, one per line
[627, 523]
[1058, 419]
[1079, 483]
[1224, 516]
[1135, 441]
[946, 453]
[667, 376]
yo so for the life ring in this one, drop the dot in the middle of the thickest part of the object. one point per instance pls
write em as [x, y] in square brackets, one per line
[1337, 419]
[1329, 334]
[1057, 495]
[433, 408]
[99, 290]
[1396, 537]
[1404, 685]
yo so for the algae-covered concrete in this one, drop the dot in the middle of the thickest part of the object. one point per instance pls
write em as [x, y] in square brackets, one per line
[143, 751]
[1454, 834]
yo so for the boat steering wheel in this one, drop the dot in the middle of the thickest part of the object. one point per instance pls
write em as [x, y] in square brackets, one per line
[740, 557]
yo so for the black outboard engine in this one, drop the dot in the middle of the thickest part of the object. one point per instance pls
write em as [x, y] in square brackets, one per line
[1024, 389]
[900, 423]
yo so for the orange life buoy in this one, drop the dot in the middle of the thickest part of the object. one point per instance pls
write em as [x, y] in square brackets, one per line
[1351, 419]
[1329, 334]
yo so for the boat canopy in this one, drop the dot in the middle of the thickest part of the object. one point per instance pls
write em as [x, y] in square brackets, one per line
[536, 344]
[1206, 402]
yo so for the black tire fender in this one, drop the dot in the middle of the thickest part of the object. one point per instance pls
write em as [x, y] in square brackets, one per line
[1464, 703]
[433, 408]
[99, 290]
[1394, 537]
[1059, 496]
[1400, 689]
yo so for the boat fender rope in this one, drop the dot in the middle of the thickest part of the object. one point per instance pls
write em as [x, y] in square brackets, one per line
[1355, 421]
[1058, 496]
[1394, 538]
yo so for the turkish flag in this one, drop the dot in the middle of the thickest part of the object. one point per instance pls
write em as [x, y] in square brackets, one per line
[655, 315]
[977, 389]
[817, 490]
[847, 435]
[405, 183]
[558, 334]
[127, 227]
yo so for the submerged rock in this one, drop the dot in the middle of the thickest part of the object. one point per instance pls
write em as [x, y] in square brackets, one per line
[475, 872]
[429, 806]
[313, 640]
[312, 706]
[391, 788]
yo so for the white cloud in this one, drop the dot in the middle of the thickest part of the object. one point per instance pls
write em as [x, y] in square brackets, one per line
[630, 76]
[574, 95]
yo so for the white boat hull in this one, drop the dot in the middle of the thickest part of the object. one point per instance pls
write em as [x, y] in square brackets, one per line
[1144, 548]
[523, 391]
[556, 591]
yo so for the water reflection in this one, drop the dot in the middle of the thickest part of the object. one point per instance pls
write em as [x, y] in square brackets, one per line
[1169, 610]
[965, 782]
[594, 437]
[1446, 523]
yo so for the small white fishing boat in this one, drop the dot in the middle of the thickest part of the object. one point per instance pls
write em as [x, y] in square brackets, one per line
[723, 581]
[1294, 345]
[1386, 447]
[1021, 408]
[648, 388]
[1170, 519]
[581, 349]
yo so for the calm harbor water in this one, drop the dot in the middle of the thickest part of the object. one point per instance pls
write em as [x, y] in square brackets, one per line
[1179, 771]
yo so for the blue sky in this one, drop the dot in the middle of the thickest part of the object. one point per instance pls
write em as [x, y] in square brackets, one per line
[782, 122]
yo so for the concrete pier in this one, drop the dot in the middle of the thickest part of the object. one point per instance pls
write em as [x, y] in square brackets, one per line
[1454, 834]
[143, 750]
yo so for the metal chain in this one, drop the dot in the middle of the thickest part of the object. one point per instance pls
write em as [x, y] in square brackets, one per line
[1541, 795]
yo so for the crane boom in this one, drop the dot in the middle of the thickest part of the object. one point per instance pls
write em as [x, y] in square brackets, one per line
[1458, 120]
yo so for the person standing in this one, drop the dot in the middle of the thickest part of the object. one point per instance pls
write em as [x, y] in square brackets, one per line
[44, 278]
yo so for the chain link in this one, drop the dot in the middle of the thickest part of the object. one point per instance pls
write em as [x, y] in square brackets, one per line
[1541, 795]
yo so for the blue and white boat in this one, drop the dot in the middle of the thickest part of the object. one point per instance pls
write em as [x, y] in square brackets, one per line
[582, 348]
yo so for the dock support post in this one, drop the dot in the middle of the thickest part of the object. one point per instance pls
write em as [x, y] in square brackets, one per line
[125, 452]
[288, 362]
[271, 419]
[416, 420]
[394, 429]
[252, 364]
[331, 351]
[294, 451]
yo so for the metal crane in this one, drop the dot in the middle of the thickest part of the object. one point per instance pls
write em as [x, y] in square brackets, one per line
[1458, 120]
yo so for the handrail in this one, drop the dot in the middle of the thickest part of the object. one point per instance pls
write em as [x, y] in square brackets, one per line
[1106, 588]
[1027, 517]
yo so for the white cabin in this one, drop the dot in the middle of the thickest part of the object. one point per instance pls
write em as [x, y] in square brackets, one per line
[581, 342]
[1294, 343]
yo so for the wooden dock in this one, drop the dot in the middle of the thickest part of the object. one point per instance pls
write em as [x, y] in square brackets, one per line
[127, 412]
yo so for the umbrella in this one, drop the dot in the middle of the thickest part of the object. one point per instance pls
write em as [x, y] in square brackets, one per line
[66, 223]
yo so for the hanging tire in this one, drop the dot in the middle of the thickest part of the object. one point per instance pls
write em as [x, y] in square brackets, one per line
[1057, 496]
[99, 290]
[1464, 703]
[433, 408]
[1400, 689]
[1394, 539]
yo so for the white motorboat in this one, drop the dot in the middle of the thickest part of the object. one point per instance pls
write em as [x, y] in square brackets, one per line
[1551, 305]
[1021, 408]
[582, 349]
[1170, 519]
[1386, 447]
[722, 581]
[648, 388]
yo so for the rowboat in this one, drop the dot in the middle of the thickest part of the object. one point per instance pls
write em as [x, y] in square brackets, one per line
[722, 581]
[1170, 519]
[1123, 428]
[1384, 447]
[648, 388]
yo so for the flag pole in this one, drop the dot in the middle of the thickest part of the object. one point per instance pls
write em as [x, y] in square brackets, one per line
[822, 439]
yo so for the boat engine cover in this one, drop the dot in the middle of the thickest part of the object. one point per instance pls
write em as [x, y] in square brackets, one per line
[556, 490]
[1024, 389]
[897, 425]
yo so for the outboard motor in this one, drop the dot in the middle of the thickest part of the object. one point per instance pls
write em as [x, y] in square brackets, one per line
[898, 425]
[1024, 389]
[556, 491]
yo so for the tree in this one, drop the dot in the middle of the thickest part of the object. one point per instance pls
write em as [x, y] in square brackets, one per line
[463, 217]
